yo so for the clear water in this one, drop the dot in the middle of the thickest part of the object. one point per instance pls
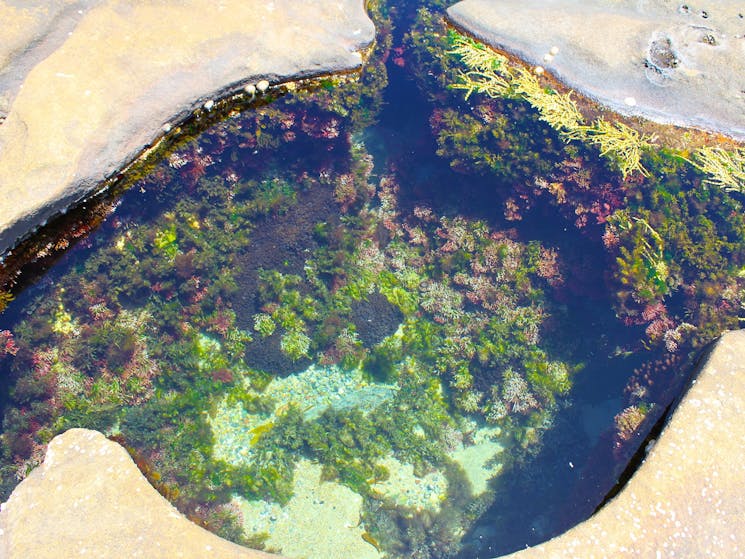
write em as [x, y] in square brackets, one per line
[318, 335]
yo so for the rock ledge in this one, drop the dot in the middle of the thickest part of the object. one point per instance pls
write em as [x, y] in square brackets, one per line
[86, 85]
[88, 499]
[671, 62]
[687, 499]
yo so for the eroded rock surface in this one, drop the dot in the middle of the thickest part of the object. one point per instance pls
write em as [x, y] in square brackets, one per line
[687, 499]
[88, 499]
[672, 62]
[85, 85]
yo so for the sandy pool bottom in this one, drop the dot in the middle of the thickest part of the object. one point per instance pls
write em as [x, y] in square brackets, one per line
[323, 519]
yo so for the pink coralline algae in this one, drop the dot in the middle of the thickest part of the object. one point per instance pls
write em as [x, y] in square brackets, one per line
[628, 421]
[7, 343]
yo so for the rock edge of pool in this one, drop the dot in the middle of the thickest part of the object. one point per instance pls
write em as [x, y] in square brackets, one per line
[84, 124]
[75, 111]
[670, 62]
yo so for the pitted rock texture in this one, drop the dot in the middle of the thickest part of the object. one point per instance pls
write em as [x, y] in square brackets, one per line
[86, 85]
[687, 498]
[672, 62]
[88, 499]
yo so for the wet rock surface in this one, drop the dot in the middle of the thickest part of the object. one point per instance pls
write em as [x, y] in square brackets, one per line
[671, 62]
[85, 86]
[686, 499]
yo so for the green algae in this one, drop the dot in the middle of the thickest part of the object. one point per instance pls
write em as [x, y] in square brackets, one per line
[177, 377]
[404, 352]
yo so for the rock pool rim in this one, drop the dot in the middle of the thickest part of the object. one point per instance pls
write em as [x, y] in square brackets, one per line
[36, 251]
[20, 261]
[670, 135]
[597, 75]
[659, 423]
[240, 45]
[102, 538]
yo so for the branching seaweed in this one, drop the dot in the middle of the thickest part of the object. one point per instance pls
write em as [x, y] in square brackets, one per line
[477, 56]
[487, 82]
[622, 143]
[556, 109]
[489, 74]
[644, 265]
[725, 169]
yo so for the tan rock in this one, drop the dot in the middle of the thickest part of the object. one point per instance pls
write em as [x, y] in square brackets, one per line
[688, 498]
[88, 499]
[84, 87]
[668, 61]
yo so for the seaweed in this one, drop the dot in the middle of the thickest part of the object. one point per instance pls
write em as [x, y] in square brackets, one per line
[489, 73]
[280, 248]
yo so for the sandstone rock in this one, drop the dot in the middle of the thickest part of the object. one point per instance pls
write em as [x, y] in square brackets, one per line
[668, 61]
[86, 85]
[687, 498]
[88, 499]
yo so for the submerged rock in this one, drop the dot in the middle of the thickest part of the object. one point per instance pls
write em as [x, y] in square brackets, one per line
[323, 519]
[314, 390]
[670, 62]
[86, 86]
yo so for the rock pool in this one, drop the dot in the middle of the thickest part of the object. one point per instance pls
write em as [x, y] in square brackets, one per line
[437, 326]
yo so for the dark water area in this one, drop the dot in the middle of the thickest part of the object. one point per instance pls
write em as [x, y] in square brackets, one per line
[558, 487]
[595, 330]
[467, 339]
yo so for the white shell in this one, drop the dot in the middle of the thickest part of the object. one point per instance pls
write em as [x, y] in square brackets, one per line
[262, 86]
[554, 51]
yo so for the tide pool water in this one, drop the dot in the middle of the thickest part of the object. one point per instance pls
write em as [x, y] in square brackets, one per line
[374, 318]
